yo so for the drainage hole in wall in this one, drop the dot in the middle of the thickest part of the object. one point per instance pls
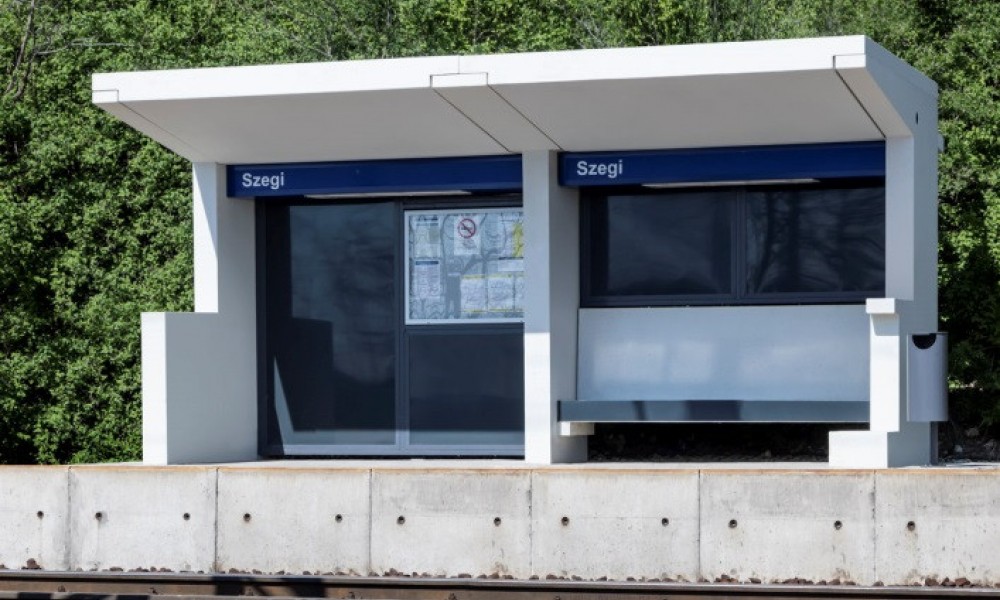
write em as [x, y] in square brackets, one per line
[98, 515]
[187, 516]
[837, 525]
[664, 521]
[497, 521]
[246, 517]
[732, 523]
[910, 525]
[565, 521]
[400, 520]
[338, 518]
[39, 514]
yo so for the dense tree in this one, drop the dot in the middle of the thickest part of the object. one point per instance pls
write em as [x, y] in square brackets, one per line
[95, 219]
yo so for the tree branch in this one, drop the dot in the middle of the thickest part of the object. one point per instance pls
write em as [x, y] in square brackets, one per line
[12, 83]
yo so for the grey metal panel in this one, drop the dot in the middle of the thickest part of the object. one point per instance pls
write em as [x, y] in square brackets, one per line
[927, 377]
[713, 411]
[808, 353]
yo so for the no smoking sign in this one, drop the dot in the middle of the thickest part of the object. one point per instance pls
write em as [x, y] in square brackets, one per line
[467, 236]
[466, 228]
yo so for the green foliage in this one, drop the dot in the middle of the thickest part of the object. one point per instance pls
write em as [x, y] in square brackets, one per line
[962, 59]
[95, 222]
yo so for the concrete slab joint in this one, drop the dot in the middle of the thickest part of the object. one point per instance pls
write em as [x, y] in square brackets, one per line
[899, 527]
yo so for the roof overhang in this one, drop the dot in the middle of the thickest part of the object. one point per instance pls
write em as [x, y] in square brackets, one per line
[704, 95]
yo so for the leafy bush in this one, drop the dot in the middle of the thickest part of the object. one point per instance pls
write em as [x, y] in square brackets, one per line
[95, 222]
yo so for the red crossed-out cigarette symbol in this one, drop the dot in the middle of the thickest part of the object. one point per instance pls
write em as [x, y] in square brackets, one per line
[467, 228]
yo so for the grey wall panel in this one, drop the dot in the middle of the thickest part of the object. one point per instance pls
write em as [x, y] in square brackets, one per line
[724, 353]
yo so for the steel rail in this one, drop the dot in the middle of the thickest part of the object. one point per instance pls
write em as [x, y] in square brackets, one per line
[59, 585]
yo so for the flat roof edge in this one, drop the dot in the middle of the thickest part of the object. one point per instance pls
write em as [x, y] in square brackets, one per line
[373, 75]
[900, 67]
[769, 92]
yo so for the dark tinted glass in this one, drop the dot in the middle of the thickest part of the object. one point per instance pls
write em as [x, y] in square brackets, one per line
[670, 244]
[466, 387]
[331, 323]
[803, 241]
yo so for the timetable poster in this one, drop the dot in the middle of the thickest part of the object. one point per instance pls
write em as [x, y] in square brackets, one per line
[465, 265]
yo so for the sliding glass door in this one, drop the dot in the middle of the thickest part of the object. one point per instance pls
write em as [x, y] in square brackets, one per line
[374, 340]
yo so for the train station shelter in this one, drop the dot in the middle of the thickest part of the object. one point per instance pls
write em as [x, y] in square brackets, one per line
[487, 255]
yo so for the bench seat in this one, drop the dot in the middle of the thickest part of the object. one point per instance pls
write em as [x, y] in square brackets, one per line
[713, 411]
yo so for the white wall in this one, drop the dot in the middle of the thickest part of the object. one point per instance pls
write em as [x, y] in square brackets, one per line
[199, 370]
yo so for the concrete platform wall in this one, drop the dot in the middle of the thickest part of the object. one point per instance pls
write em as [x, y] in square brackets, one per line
[590, 522]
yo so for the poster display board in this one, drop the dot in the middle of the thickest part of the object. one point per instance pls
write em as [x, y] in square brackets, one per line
[465, 266]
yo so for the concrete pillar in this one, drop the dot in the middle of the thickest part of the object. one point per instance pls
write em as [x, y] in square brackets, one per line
[551, 305]
[199, 370]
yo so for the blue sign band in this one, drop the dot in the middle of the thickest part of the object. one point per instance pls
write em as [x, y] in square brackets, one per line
[473, 173]
[751, 163]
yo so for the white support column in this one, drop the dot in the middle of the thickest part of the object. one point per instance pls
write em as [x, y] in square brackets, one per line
[200, 369]
[887, 367]
[551, 305]
[891, 441]
[205, 180]
[224, 246]
[910, 307]
[903, 104]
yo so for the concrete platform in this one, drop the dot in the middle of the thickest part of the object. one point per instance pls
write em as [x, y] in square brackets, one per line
[763, 521]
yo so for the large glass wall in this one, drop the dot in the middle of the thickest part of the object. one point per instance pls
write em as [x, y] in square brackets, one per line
[375, 340]
[734, 245]
[330, 332]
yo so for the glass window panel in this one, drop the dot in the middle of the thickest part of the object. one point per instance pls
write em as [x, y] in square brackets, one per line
[672, 244]
[331, 323]
[466, 386]
[465, 265]
[802, 241]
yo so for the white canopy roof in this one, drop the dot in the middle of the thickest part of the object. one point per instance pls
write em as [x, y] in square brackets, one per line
[732, 94]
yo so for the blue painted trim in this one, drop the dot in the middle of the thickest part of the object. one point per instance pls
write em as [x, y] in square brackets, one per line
[472, 173]
[750, 163]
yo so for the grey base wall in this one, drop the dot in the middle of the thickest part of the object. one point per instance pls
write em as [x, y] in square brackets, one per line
[894, 526]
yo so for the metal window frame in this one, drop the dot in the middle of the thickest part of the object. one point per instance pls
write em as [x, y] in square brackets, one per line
[447, 211]
[401, 447]
[737, 296]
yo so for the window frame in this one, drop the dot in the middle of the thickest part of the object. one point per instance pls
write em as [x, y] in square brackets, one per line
[738, 294]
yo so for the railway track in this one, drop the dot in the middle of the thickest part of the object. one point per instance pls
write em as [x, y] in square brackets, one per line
[46, 585]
